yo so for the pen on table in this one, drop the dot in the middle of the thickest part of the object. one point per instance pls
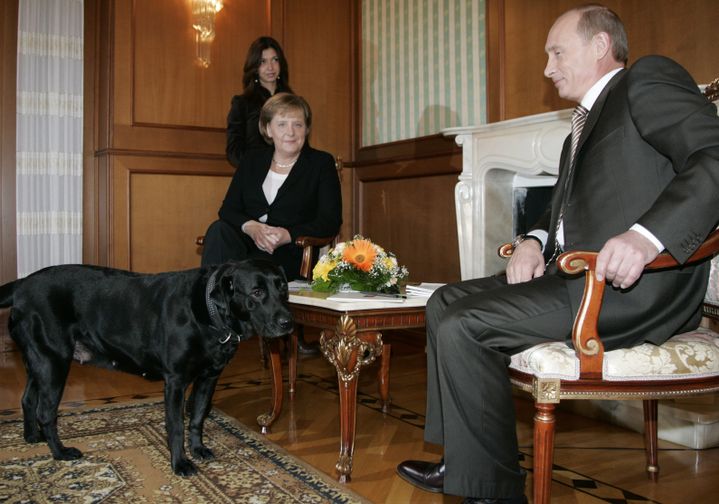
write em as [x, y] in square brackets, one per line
[383, 294]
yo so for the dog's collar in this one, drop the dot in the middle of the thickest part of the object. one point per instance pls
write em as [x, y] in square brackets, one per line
[215, 319]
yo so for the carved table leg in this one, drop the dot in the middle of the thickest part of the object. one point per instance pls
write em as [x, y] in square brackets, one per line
[348, 352]
[292, 359]
[266, 419]
[383, 377]
[348, 419]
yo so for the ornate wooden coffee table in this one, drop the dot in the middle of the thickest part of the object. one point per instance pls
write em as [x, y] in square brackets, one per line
[350, 339]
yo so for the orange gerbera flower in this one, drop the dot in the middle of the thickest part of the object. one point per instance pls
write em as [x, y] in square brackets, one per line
[361, 253]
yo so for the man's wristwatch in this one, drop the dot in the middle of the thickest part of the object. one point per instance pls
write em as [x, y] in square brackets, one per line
[522, 237]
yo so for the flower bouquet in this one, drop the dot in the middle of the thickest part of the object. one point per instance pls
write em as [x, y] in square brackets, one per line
[359, 265]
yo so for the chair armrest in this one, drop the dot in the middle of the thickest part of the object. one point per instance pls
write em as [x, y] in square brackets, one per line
[308, 243]
[313, 241]
[587, 342]
[709, 248]
[505, 250]
[585, 337]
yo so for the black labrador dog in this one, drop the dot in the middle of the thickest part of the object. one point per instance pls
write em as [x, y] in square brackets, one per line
[182, 327]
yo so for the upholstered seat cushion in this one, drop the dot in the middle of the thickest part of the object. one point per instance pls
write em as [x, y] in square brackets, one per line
[692, 354]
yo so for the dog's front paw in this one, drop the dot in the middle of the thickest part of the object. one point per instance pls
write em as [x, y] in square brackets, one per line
[184, 467]
[67, 453]
[202, 452]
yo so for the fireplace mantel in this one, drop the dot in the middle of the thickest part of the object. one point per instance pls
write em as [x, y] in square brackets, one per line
[496, 158]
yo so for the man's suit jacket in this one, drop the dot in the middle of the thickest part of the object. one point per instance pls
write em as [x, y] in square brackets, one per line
[309, 202]
[648, 154]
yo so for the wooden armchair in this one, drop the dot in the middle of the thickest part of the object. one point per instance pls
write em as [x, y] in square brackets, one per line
[310, 245]
[553, 371]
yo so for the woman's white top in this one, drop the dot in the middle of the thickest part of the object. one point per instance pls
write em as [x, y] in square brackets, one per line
[273, 182]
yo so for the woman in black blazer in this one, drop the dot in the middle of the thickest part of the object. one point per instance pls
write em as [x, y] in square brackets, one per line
[265, 73]
[281, 192]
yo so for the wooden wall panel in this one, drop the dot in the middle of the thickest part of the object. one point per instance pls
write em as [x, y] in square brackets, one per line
[683, 31]
[405, 202]
[169, 87]
[415, 219]
[156, 221]
[8, 76]
[321, 68]
[318, 40]
[159, 207]
[171, 107]
[156, 171]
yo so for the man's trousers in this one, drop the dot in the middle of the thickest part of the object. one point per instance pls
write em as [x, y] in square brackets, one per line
[473, 328]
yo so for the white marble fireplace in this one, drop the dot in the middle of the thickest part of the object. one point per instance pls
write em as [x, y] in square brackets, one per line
[499, 159]
[496, 159]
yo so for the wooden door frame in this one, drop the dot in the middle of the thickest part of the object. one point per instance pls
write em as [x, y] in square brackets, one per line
[8, 114]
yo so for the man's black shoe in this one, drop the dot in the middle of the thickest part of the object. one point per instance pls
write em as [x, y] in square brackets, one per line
[513, 500]
[428, 476]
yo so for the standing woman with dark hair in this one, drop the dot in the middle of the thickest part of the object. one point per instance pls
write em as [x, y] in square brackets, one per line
[265, 73]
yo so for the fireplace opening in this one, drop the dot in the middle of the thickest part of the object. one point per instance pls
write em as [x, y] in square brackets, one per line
[529, 205]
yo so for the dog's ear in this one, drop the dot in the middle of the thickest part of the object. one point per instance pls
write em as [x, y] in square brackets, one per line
[224, 288]
[236, 291]
[252, 292]
[227, 288]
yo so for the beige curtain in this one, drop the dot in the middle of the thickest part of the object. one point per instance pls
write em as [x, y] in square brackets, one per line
[49, 133]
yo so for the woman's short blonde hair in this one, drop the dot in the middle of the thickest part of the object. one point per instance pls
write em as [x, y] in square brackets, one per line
[281, 103]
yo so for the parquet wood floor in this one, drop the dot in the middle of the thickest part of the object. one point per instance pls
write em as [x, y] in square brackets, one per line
[596, 462]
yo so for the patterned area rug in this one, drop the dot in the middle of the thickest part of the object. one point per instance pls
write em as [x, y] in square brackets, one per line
[126, 460]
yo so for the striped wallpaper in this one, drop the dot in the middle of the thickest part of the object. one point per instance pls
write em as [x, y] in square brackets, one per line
[423, 67]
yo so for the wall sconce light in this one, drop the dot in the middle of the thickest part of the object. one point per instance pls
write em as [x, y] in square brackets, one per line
[203, 21]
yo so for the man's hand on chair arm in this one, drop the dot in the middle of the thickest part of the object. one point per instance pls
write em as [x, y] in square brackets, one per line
[622, 259]
[526, 262]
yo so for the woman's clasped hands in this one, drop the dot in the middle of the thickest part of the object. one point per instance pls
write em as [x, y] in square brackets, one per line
[267, 238]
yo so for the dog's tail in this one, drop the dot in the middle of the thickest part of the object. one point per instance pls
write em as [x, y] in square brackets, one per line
[7, 294]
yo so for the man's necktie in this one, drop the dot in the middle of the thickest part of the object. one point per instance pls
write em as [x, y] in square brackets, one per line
[579, 117]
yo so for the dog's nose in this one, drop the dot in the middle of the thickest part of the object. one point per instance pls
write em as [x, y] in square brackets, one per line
[285, 323]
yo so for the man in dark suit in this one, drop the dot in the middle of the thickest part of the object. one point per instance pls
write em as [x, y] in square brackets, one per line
[641, 177]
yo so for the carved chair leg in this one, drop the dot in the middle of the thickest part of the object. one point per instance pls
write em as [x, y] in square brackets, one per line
[292, 358]
[267, 419]
[383, 377]
[544, 421]
[264, 353]
[650, 438]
